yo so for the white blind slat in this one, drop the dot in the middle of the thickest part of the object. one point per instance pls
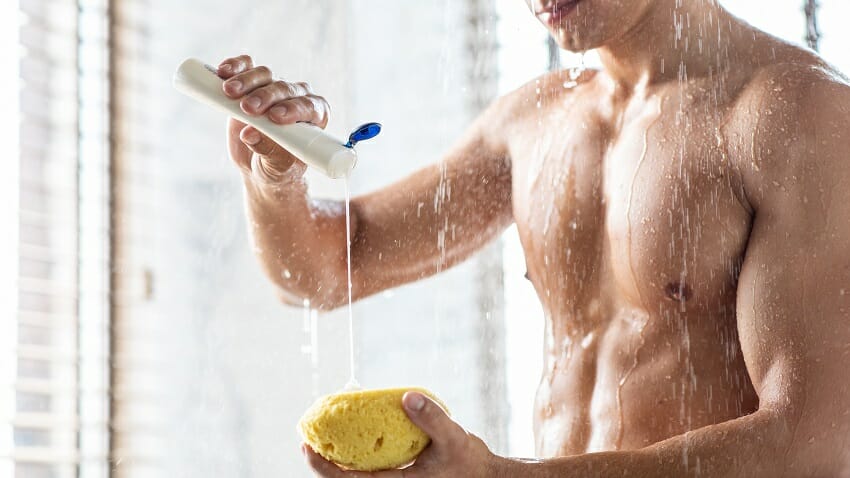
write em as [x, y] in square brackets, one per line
[57, 364]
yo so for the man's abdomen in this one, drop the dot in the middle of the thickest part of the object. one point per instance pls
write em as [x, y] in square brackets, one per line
[634, 384]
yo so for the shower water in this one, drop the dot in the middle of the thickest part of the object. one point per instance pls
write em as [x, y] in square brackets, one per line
[309, 143]
[352, 380]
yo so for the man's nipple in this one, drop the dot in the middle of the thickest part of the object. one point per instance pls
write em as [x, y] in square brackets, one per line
[678, 291]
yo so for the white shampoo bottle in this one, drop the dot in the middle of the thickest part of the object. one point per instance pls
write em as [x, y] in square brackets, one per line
[307, 142]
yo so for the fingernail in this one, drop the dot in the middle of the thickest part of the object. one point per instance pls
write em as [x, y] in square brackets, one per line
[252, 137]
[278, 111]
[253, 102]
[415, 402]
[234, 86]
[225, 67]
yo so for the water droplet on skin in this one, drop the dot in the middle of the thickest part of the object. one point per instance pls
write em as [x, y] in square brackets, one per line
[288, 275]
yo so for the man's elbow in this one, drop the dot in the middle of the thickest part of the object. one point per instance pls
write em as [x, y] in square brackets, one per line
[314, 298]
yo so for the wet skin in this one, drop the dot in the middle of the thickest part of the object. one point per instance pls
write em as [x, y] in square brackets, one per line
[634, 231]
[687, 236]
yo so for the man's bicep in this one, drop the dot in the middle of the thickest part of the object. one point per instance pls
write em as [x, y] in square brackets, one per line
[794, 286]
[772, 312]
[435, 217]
[794, 328]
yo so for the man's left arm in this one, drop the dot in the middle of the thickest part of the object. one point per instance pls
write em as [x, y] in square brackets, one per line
[793, 315]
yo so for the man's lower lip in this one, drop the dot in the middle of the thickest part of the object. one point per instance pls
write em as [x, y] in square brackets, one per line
[557, 15]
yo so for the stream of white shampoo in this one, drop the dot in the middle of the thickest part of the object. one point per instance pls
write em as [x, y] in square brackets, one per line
[352, 381]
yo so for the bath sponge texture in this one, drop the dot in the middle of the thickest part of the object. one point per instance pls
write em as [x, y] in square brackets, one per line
[364, 430]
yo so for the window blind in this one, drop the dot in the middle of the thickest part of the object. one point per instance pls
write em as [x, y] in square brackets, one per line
[139, 400]
[47, 411]
[95, 238]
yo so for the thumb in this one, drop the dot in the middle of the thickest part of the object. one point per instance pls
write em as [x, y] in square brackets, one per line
[273, 159]
[433, 420]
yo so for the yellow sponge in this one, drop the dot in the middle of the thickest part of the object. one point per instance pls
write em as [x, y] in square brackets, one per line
[364, 430]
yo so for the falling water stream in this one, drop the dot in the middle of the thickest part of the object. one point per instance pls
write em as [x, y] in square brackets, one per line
[311, 328]
[352, 381]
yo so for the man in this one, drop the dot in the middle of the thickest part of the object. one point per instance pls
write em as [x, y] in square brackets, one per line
[685, 218]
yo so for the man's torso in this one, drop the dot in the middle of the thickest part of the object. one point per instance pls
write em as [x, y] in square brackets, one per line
[634, 223]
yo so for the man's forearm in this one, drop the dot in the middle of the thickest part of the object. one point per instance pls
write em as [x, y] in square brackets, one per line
[301, 247]
[753, 446]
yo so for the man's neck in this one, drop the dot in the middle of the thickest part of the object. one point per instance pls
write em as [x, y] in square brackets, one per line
[675, 39]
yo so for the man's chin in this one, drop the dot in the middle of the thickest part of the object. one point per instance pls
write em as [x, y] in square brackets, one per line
[572, 42]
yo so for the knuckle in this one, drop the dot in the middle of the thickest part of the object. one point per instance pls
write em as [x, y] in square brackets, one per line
[309, 104]
[284, 88]
[263, 70]
[327, 110]
[316, 105]
[300, 110]
[309, 108]
[305, 87]
[321, 105]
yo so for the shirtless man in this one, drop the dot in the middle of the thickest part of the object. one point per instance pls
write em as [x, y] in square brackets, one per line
[685, 216]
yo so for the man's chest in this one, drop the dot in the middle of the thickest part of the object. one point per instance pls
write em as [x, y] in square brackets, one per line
[645, 200]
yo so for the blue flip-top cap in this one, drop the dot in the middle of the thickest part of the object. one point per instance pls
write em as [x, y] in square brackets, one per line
[362, 133]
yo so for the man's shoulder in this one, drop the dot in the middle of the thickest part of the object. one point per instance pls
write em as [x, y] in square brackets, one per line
[794, 84]
[785, 117]
[509, 115]
[542, 91]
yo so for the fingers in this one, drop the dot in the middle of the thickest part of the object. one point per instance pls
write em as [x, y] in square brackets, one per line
[261, 99]
[247, 81]
[262, 145]
[433, 420]
[326, 469]
[239, 151]
[320, 466]
[311, 109]
[232, 66]
[284, 102]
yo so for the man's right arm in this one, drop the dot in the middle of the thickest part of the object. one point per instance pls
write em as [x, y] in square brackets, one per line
[412, 229]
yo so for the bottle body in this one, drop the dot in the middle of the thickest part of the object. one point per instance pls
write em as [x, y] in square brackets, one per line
[307, 142]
